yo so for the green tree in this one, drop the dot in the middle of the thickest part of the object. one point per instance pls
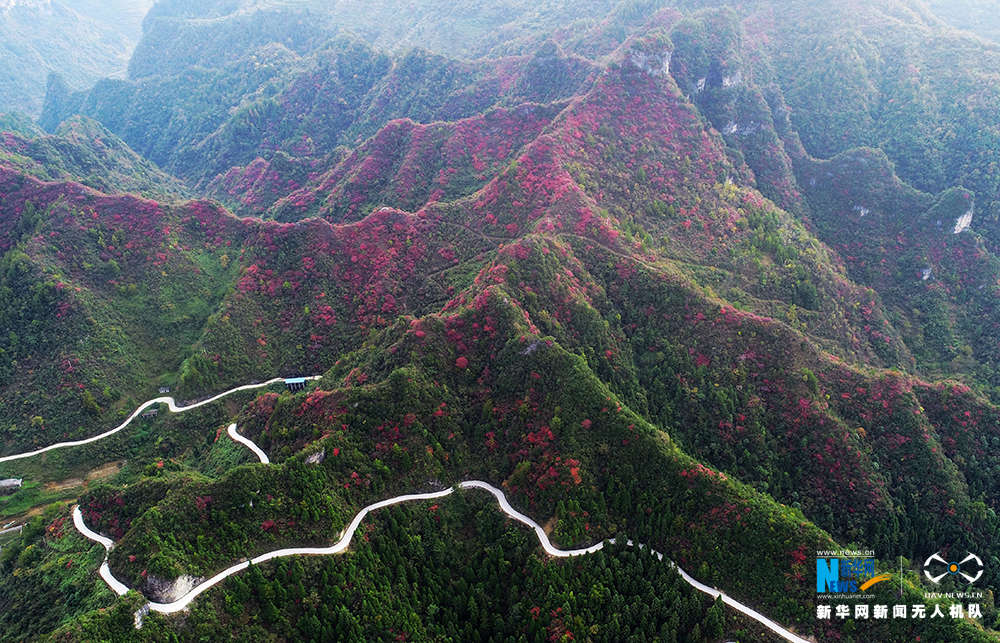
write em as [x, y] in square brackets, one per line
[89, 404]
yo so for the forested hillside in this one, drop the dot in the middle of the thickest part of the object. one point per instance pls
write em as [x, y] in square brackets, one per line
[82, 40]
[83, 150]
[977, 16]
[722, 281]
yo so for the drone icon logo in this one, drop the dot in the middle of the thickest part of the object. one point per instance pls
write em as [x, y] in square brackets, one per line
[936, 564]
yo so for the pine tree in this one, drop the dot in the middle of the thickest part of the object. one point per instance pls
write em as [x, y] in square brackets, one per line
[715, 620]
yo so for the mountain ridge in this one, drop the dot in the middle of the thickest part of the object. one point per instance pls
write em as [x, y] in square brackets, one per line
[620, 288]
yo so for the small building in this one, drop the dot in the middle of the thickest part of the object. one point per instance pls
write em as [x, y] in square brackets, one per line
[164, 389]
[10, 485]
[150, 412]
[295, 383]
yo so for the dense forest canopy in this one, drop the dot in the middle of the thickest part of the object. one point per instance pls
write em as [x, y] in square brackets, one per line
[719, 278]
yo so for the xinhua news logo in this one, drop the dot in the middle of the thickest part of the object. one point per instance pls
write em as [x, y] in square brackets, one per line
[846, 575]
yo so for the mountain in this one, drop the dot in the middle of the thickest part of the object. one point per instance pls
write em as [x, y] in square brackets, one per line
[19, 123]
[83, 150]
[651, 275]
[340, 94]
[80, 40]
[125, 17]
[976, 16]
[229, 29]
[921, 101]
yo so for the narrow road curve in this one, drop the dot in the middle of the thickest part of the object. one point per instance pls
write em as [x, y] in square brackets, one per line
[345, 541]
[169, 401]
[116, 585]
[250, 444]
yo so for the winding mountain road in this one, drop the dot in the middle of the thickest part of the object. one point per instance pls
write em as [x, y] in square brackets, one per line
[348, 534]
[169, 401]
[345, 541]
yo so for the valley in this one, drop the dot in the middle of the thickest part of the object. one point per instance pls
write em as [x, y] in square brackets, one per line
[720, 280]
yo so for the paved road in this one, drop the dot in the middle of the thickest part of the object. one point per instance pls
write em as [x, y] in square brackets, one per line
[169, 401]
[345, 542]
[732, 602]
[248, 443]
[120, 588]
[116, 585]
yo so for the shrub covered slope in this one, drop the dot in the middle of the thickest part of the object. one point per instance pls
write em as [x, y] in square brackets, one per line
[673, 286]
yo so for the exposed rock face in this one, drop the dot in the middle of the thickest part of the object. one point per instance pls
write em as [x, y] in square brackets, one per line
[654, 64]
[744, 129]
[317, 457]
[734, 79]
[140, 616]
[164, 591]
[963, 222]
